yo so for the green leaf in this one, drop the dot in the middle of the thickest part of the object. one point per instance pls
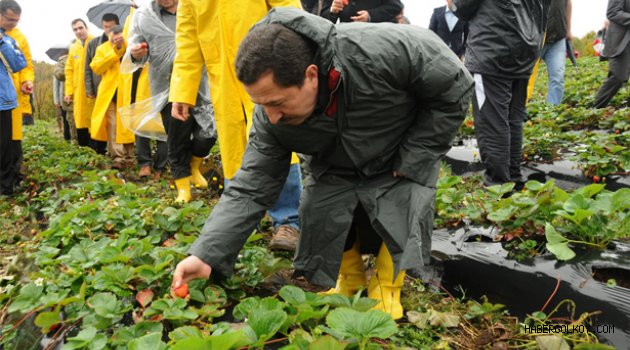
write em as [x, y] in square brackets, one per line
[352, 324]
[552, 342]
[590, 190]
[293, 295]
[433, 318]
[45, 320]
[149, 341]
[266, 323]
[216, 342]
[244, 307]
[558, 244]
[182, 333]
[326, 343]
[534, 186]
[593, 347]
[106, 305]
[28, 299]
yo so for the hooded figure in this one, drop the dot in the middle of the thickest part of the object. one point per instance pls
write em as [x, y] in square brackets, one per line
[372, 118]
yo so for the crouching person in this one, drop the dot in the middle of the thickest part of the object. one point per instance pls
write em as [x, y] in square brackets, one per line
[372, 119]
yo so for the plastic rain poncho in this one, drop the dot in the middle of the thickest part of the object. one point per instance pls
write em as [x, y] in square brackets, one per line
[143, 116]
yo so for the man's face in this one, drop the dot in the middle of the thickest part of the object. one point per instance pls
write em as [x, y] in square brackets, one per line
[167, 4]
[448, 3]
[9, 20]
[80, 31]
[287, 105]
[108, 25]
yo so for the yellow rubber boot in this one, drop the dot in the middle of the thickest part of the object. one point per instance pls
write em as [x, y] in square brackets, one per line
[351, 273]
[196, 177]
[183, 190]
[384, 287]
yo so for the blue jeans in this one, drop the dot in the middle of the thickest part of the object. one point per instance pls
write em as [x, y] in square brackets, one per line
[555, 57]
[285, 212]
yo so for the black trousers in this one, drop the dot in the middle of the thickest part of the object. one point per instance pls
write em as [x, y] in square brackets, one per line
[143, 153]
[499, 111]
[618, 74]
[99, 147]
[66, 126]
[83, 136]
[361, 228]
[7, 176]
[184, 141]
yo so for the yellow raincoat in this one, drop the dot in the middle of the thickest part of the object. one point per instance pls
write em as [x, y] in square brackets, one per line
[106, 63]
[75, 86]
[143, 90]
[26, 74]
[210, 32]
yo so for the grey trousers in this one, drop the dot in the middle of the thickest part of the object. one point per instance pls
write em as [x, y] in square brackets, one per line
[499, 111]
[618, 74]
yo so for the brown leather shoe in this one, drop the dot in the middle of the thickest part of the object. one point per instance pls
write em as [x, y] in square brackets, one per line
[145, 171]
[118, 165]
[285, 237]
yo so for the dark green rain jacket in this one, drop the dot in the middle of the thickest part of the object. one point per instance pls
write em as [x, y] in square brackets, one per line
[400, 99]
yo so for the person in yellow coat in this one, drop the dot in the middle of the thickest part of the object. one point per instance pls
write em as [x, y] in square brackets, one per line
[10, 13]
[210, 32]
[75, 87]
[106, 124]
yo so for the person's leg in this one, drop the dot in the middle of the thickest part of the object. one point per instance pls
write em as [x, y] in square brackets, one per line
[6, 134]
[179, 143]
[201, 145]
[284, 214]
[161, 156]
[518, 113]
[17, 156]
[83, 137]
[491, 103]
[618, 73]
[555, 59]
[143, 155]
[71, 124]
[179, 152]
[116, 150]
[66, 126]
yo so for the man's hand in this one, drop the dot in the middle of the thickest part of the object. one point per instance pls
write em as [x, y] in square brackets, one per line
[362, 16]
[117, 40]
[188, 269]
[139, 51]
[68, 99]
[398, 174]
[337, 6]
[27, 87]
[180, 111]
[569, 35]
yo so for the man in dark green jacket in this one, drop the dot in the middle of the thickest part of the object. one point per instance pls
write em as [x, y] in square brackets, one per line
[372, 118]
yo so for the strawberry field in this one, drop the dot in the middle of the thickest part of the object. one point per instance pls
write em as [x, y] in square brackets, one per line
[88, 253]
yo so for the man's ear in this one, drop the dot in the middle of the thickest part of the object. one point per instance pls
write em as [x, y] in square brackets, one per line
[311, 72]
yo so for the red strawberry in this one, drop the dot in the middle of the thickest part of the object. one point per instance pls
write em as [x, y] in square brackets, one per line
[182, 291]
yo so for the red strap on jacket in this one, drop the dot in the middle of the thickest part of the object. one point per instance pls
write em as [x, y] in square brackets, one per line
[333, 81]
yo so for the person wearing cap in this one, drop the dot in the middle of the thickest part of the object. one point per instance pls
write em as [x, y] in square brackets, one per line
[106, 124]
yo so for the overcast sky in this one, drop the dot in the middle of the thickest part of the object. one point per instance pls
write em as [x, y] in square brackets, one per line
[47, 22]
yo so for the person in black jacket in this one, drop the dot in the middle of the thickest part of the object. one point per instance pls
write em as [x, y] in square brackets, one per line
[450, 29]
[504, 42]
[361, 10]
[617, 49]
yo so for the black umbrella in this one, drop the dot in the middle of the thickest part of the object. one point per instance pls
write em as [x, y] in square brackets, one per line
[571, 52]
[118, 7]
[57, 51]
